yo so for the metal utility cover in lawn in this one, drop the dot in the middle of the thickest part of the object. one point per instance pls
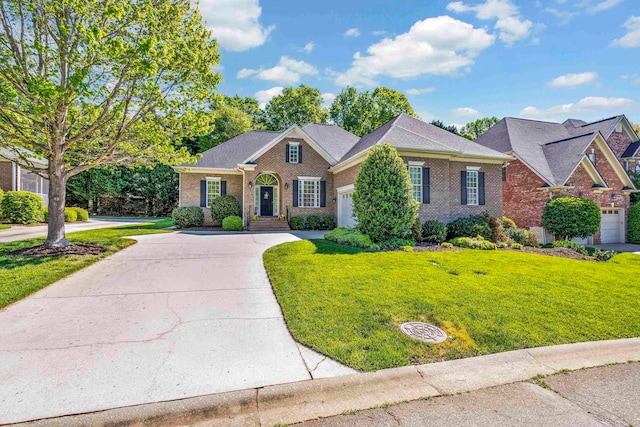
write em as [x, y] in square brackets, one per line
[424, 332]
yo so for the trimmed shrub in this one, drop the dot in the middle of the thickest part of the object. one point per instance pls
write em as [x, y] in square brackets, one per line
[70, 215]
[469, 227]
[531, 239]
[22, 207]
[634, 223]
[83, 214]
[478, 242]
[508, 223]
[516, 246]
[329, 222]
[1, 196]
[497, 230]
[523, 237]
[446, 245]
[187, 216]
[45, 214]
[434, 231]
[416, 231]
[224, 206]
[571, 245]
[503, 245]
[383, 199]
[232, 223]
[603, 255]
[313, 222]
[296, 223]
[571, 217]
[351, 237]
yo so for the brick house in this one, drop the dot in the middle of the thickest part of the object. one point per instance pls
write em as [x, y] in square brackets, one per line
[576, 158]
[13, 177]
[312, 170]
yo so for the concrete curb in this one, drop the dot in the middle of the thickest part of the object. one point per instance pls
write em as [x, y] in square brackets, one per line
[305, 400]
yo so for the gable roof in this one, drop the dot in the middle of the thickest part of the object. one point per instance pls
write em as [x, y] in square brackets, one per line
[407, 132]
[552, 150]
[335, 140]
[632, 150]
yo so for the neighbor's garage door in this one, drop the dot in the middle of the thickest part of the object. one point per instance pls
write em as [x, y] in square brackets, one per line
[345, 209]
[611, 227]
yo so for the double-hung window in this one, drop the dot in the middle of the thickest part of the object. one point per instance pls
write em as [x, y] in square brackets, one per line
[309, 193]
[415, 173]
[213, 190]
[472, 187]
[294, 153]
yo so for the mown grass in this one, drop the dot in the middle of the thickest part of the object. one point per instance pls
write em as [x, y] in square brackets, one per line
[349, 304]
[20, 276]
[4, 226]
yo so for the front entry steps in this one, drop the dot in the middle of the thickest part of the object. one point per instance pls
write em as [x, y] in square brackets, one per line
[268, 224]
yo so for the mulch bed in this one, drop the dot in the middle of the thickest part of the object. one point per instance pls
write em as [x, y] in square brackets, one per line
[560, 252]
[77, 249]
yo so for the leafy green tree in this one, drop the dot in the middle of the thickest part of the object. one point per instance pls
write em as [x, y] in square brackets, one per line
[85, 83]
[636, 128]
[383, 199]
[362, 112]
[634, 223]
[228, 122]
[571, 217]
[474, 129]
[248, 106]
[299, 106]
[448, 128]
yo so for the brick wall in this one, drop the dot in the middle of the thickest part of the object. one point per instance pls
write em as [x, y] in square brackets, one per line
[6, 180]
[619, 142]
[190, 189]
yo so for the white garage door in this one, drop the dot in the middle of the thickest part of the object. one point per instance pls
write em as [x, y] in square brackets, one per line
[611, 227]
[345, 209]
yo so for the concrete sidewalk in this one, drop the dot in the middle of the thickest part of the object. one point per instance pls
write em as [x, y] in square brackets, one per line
[603, 396]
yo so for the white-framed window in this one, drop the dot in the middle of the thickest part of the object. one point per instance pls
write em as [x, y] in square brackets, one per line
[213, 190]
[309, 193]
[294, 153]
[415, 173]
[472, 187]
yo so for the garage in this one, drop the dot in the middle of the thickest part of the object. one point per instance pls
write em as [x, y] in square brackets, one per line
[612, 226]
[345, 207]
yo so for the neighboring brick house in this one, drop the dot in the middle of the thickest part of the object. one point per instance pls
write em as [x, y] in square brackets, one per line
[312, 171]
[576, 158]
[13, 177]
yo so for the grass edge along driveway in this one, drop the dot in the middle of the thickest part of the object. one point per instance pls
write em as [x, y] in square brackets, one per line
[348, 304]
[20, 276]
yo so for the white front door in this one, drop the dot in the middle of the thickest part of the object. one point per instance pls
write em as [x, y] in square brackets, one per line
[612, 226]
[345, 209]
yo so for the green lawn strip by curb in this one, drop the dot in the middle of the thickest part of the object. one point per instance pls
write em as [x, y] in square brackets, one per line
[348, 304]
[20, 276]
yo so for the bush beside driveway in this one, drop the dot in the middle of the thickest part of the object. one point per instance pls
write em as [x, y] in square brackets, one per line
[348, 304]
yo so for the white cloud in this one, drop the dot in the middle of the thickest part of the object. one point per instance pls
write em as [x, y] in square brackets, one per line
[592, 107]
[633, 78]
[564, 15]
[510, 25]
[328, 98]
[573, 80]
[379, 32]
[264, 96]
[352, 32]
[465, 112]
[425, 116]
[235, 23]
[632, 38]
[288, 71]
[600, 6]
[414, 91]
[308, 48]
[441, 45]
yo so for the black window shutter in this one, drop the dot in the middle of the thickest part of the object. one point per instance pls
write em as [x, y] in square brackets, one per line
[287, 154]
[223, 188]
[426, 185]
[463, 187]
[481, 198]
[203, 194]
[295, 193]
[323, 194]
[299, 153]
[504, 173]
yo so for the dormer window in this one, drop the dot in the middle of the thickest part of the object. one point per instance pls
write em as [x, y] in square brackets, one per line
[294, 153]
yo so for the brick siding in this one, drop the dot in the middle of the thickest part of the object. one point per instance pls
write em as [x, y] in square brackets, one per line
[190, 189]
[6, 179]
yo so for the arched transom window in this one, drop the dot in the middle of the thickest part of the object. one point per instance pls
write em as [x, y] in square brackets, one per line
[266, 180]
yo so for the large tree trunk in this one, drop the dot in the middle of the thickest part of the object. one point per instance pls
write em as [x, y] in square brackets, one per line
[57, 195]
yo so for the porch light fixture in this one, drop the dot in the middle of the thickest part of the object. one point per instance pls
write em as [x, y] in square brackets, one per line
[250, 184]
[286, 185]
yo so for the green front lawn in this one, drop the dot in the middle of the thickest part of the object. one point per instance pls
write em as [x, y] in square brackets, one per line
[4, 226]
[349, 304]
[20, 276]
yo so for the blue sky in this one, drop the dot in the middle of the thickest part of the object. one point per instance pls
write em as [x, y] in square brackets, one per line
[456, 61]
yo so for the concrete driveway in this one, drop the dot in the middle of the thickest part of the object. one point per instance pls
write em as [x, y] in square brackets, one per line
[174, 316]
[23, 232]
[619, 247]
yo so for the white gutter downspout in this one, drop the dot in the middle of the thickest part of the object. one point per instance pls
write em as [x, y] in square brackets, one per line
[179, 190]
[244, 213]
[14, 173]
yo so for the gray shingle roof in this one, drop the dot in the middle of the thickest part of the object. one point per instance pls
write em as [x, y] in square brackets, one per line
[553, 150]
[632, 150]
[333, 139]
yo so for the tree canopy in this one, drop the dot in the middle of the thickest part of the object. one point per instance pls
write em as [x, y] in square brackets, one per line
[449, 128]
[85, 83]
[474, 129]
[362, 112]
[299, 106]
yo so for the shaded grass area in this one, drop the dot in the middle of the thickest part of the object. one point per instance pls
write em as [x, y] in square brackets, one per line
[20, 276]
[349, 304]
